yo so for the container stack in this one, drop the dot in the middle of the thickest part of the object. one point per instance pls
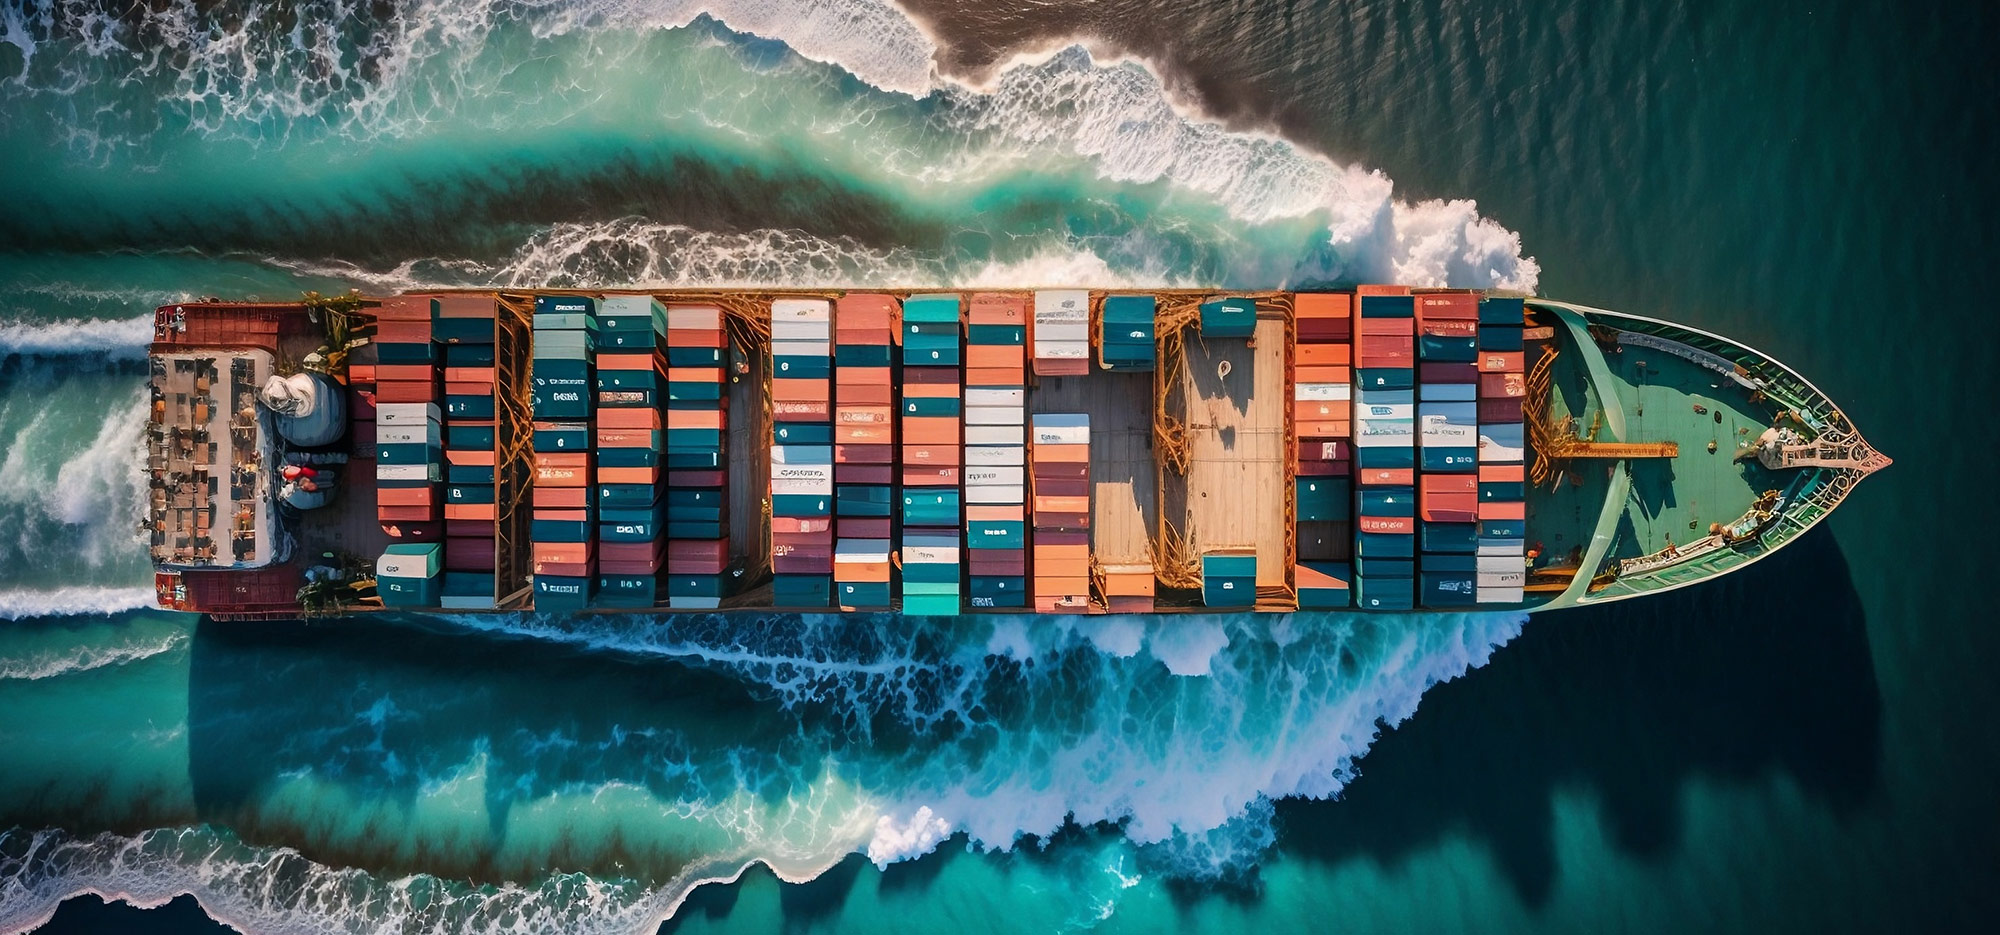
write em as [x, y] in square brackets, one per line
[1229, 318]
[631, 383]
[864, 450]
[1062, 333]
[1128, 333]
[1385, 449]
[996, 435]
[1448, 445]
[1059, 459]
[1502, 549]
[409, 574]
[562, 525]
[697, 431]
[802, 453]
[409, 494]
[1322, 415]
[1229, 579]
[933, 408]
[466, 326]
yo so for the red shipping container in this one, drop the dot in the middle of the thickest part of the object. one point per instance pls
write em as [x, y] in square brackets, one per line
[1433, 372]
[981, 564]
[792, 524]
[561, 498]
[468, 554]
[856, 395]
[927, 476]
[1502, 361]
[1449, 328]
[1393, 524]
[404, 308]
[697, 478]
[1323, 330]
[649, 567]
[1510, 509]
[864, 527]
[1500, 411]
[696, 337]
[426, 514]
[1321, 450]
[868, 474]
[864, 454]
[1499, 473]
[1374, 328]
[634, 418]
[1500, 385]
[1322, 355]
[1448, 483]
[1449, 305]
[1387, 477]
[405, 391]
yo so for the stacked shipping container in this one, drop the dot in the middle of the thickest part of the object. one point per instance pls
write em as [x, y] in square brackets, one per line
[1448, 441]
[1385, 448]
[465, 325]
[802, 453]
[1062, 333]
[1060, 460]
[409, 471]
[563, 552]
[1128, 332]
[1322, 416]
[996, 435]
[1502, 550]
[631, 384]
[864, 451]
[933, 408]
[696, 433]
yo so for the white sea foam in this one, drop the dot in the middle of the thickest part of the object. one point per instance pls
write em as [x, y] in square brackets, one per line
[88, 656]
[122, 338]
[905, 840]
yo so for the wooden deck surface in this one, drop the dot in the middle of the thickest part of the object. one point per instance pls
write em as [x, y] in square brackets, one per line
[1124, 500]
[1234, 493]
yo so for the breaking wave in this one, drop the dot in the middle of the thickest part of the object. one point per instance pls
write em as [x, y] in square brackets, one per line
[22, 604]
[80, 658]
[120, 339]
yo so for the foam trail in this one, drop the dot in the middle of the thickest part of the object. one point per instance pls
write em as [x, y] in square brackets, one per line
[87, 657]
[122, 339]
[22, 604]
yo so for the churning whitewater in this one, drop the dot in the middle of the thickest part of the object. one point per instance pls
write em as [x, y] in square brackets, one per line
[426, 773]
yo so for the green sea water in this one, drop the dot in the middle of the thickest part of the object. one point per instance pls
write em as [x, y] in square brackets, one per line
[1804, 746]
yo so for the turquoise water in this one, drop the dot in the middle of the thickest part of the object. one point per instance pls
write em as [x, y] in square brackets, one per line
[1800, 747]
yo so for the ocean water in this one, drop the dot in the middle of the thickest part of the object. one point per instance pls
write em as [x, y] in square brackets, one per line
[1803, 746]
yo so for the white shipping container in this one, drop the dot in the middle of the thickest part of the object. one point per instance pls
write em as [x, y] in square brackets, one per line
[1062, 350]
[1323, 392]
[1403, 412]
[996, 494]
[801, 310]
[1497, 564]
[861, 550]
[801, 454]
[802, 472]
[990, 396]
[1384, 433]
[929, 554]
[995, 455]
[426, 434]
[1062, 434]
[801, 487]
[1438, 433]
[406, 413]
[801, 348]
[1512, 579]
[415, 567]
[1501, 595]
[1490, 545]
[994, 474]
[1062, 331]
[409, 472]
[1387, 397]
[923, 541]
[996, 435]
[694, 317]
[620, 306]
[1062, 305]
[995, 415]
[801, 331]
[1501, 443]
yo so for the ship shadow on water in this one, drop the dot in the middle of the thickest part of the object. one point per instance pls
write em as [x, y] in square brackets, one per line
[1764, 672]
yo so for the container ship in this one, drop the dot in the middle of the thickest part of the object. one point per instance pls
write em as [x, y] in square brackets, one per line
[1379, 449]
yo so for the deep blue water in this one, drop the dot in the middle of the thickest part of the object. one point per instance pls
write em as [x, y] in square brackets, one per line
[1803, 746]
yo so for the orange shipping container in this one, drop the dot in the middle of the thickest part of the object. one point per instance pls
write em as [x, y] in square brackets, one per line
[404, 308]
[1323, 305]
[1062, 553]
[1501, 473]
[550, 498]
[851, 395]
[405, 391]
[418, 372]
[930, 390]
[863, 434]
[930, 430]
[1128, 585]
[486, 511]
[695, 337]
[694, 374]
[862, 376]
[997, 308]
[1387, 477]
[1062, 505]
[628, 475]
[406, 496]
[984, 356]
[482, 376]
[688, 419]
[865, 311]
[1060, 454]
[1502, 361]
[1503, 510]
[1322, 375]
[932, 455]
[1322, 355]
[926, 476]
[805, 390]
[996, 376]
[637, 418]
[1324, 411]
[1330, 428]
